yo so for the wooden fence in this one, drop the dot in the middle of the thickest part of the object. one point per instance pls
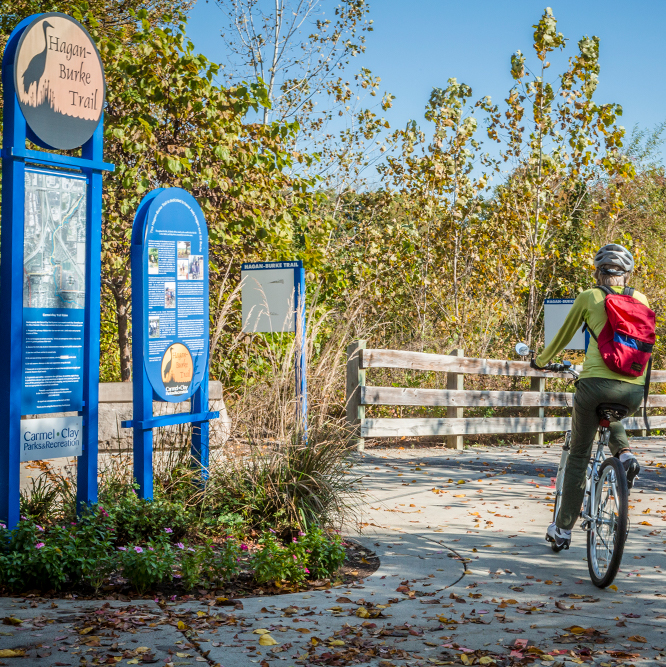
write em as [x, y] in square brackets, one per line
[455, 398]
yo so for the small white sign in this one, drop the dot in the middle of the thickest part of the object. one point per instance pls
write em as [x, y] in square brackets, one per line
[51, 438]
[555, 311]
[268, 297]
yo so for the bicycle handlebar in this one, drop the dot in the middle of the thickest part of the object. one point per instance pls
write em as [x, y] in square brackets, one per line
[561, 368]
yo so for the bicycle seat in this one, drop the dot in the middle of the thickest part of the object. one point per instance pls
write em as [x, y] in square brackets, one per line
[612, 412]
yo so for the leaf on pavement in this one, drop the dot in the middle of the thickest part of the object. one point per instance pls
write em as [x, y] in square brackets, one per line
[267, 640]
[11, 653]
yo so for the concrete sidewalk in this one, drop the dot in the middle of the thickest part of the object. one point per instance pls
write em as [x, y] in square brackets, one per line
[464, 572]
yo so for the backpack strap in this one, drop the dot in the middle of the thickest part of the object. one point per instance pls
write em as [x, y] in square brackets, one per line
[586, 327]
[629, 291]
[646, 393]
[606, 290]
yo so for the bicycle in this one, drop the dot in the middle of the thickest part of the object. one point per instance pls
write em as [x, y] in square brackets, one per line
[605, 510]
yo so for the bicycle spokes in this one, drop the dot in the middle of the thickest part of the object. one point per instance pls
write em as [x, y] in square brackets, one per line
[605, 524]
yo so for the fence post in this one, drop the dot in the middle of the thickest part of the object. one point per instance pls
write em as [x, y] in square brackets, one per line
[355, 380]
[455, 381]
[537, 384]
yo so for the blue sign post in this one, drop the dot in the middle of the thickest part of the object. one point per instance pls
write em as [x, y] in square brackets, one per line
[169, 324]
[50, 251]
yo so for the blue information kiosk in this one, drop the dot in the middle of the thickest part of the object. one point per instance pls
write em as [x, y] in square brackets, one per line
[50, 252]
[170, 324]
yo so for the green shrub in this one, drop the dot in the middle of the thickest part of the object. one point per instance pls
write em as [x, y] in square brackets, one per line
[32, 557]
[87, 547]
[27, 561]
[327, 553]
[138, 520]
[146, 566]
[275, 563]
[190, 566]
[207, 565]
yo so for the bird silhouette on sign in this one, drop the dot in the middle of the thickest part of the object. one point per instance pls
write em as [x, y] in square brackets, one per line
[37, 65]
[167, 369]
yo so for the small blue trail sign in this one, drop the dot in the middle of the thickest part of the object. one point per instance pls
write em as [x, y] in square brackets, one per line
[169, 323]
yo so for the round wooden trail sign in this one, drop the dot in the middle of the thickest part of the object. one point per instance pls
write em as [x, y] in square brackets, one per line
[59, 81]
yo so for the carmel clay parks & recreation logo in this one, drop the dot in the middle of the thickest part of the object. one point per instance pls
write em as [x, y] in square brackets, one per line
[59, 81]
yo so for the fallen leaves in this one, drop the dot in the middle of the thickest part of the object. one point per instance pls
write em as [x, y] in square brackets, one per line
[267, 640]
[11, 653]
[11, 620]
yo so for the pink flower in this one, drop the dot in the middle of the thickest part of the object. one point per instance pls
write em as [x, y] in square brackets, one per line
[173, 598]
[2, 525]
[38, 527]
[151, 549]
[139, 550]
[180, 545]
[294, 557]
[244, 547]
[306, 570]
[39, 545]
[122, 548]
[301, 533]
[293, 539]
[168, 530]
[190, 549]
[272, 531]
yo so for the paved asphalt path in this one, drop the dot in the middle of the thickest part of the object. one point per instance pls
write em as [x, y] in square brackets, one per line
[465, 579]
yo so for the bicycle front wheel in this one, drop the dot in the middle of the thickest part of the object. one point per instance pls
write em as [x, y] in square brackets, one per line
[608, 531]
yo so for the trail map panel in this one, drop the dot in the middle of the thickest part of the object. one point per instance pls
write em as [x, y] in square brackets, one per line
[54, 270]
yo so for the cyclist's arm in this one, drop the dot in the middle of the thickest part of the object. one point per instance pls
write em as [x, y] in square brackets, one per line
[572, 323]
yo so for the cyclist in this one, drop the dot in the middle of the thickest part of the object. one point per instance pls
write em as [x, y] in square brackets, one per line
[597, 384]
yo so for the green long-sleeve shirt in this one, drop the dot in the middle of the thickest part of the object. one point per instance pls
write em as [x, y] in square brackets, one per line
[588, 307]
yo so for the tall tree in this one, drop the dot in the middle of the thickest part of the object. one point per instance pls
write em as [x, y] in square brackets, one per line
[559, 141]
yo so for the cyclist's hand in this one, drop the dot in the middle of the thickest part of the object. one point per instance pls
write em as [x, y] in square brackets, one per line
[533, 364]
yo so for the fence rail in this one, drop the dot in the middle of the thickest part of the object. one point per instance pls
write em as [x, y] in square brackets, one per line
[455, 397]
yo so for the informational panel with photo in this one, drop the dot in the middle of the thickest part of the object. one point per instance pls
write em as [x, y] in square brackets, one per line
[175, 295]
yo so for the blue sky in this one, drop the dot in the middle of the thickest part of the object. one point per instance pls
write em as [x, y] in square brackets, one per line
[418, 45]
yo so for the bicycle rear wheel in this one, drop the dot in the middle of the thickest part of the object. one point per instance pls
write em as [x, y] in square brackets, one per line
[608, 531]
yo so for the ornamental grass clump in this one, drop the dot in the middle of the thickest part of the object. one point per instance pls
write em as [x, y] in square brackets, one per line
[297, 484]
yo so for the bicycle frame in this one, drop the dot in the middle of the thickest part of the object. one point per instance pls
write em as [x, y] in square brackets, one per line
[591, 477]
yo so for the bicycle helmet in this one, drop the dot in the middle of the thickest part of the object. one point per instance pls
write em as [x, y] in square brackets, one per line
[617, 256]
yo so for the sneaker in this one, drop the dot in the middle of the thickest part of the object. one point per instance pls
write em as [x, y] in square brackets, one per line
[561, 538]
[631, 467]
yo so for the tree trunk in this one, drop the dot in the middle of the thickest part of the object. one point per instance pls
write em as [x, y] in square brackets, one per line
[124, 340]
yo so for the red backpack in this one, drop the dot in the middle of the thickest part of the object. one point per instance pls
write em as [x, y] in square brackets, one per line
[626, 341]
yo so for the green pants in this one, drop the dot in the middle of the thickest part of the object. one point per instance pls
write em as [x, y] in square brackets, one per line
[590, 393]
